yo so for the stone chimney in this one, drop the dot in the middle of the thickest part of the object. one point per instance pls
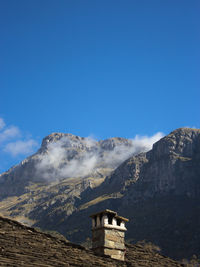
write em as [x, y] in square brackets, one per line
[108, 231]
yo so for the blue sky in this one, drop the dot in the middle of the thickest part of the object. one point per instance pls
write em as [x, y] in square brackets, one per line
[101, 68]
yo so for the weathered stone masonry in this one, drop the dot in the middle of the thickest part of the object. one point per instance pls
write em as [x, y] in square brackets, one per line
[108, 232]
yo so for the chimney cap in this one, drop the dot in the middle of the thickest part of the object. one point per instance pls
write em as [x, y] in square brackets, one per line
[107, 211]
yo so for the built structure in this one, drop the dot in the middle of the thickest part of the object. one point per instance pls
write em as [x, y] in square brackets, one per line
[108, 231]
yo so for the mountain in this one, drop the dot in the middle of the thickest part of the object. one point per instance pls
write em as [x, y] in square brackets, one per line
[26, 246]
[52, 179]
[64, 156]
[71, 177]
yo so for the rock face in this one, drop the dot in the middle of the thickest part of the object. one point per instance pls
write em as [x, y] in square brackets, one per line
[158, 190]
[171, 167]
[25, 246]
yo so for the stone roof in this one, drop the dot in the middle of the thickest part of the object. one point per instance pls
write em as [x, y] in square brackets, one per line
[25, 246]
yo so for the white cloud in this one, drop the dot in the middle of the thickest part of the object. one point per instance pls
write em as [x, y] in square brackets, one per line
[73, 157]
[145, 142]
[2, 123]
[59, 162]
[9, 133]
[13, 141]
[139, 144]
[61, 159]
[21, 147]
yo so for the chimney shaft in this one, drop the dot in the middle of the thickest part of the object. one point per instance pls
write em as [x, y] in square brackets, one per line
[108, 231]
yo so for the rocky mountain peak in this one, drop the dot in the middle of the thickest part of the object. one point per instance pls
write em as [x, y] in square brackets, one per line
[68, 140]
[163, 169]
[64, 155]
[111, 143]
[181, 142]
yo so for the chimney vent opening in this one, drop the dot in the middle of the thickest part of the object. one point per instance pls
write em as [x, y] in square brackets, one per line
[110, 218]
[119, 222]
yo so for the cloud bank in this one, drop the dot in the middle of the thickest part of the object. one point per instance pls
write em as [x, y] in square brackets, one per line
[20, 147]
[2, 123]
[13, 142]
[9, 133]
[80, 158]
[71, 156]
